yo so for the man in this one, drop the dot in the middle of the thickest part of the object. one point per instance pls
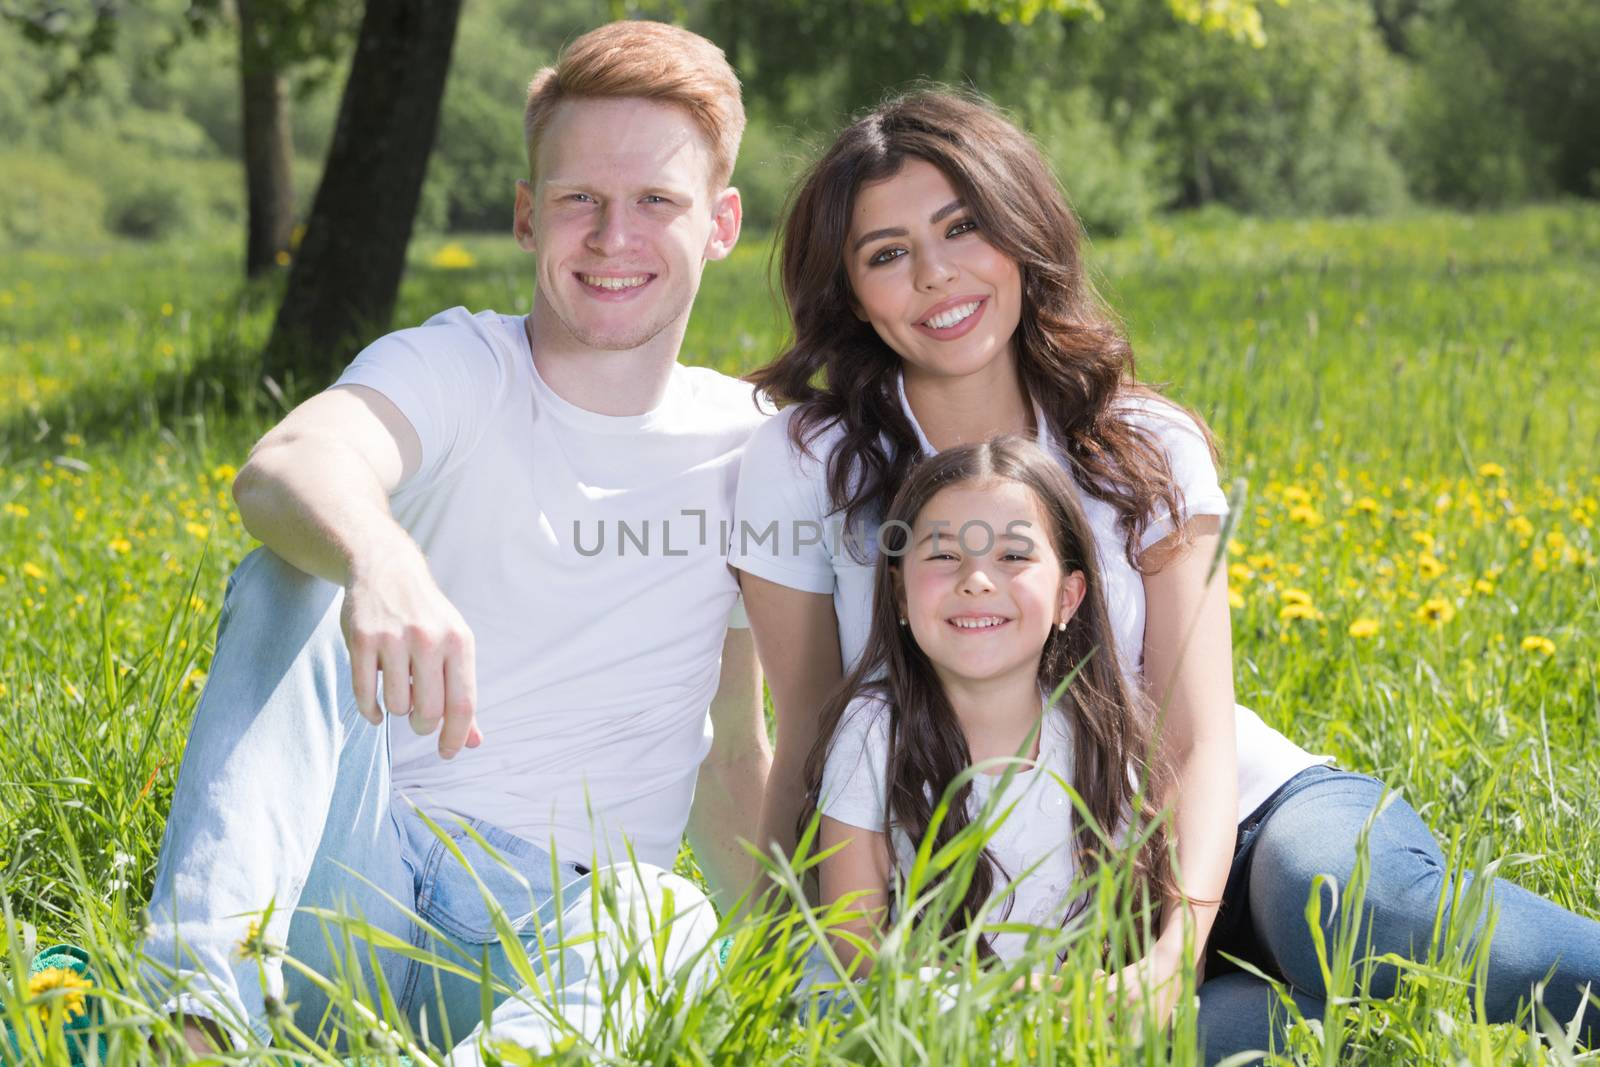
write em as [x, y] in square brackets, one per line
[431, 526]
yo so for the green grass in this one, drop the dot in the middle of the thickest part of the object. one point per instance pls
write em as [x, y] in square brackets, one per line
[1411, 406]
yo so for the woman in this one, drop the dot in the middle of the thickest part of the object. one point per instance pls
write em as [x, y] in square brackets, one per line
[932, 272]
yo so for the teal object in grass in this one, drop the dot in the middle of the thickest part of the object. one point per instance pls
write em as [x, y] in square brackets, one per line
[63, 971]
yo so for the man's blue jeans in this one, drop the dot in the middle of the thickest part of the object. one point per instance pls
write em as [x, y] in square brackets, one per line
[284, 800]
[1309, 827]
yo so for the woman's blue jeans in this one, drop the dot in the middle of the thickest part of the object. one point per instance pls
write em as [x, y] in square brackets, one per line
[1309, 827]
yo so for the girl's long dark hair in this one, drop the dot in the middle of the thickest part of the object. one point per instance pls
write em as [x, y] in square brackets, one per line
[1110, 721]
[1072, 356]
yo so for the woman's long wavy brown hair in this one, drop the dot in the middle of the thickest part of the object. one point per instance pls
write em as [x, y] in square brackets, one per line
[1111, 722]
[1072, 355]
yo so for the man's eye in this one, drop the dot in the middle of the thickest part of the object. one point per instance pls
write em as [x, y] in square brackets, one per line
[654, 199]
[964, 226]
[580, 198]
[885, 256]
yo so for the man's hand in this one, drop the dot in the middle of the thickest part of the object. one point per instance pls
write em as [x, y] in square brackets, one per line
[398, 624]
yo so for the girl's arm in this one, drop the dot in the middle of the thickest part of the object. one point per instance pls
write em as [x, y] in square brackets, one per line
[1188, 669]
[797, 638]
[859, 871]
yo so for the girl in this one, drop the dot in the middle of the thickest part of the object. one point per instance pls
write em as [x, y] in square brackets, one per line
[931, 269]
[986, 601]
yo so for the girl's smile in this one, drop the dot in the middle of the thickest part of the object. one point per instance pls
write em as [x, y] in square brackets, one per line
[982, 587]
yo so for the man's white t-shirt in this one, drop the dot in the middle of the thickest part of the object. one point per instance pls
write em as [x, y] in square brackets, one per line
[1033, 845]
[585, 552]
[787, 532]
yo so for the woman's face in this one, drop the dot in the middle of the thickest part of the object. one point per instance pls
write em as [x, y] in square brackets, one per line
[936, 291]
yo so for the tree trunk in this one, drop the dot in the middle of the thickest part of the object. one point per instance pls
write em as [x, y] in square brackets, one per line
[268, 152]
[347, 270]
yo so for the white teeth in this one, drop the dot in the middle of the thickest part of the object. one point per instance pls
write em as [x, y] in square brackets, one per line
[946, 319]
[632, 282]
[984, 623]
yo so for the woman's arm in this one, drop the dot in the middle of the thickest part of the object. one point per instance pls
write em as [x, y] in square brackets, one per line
[1188, 670]
[797, 639]
[859, 873]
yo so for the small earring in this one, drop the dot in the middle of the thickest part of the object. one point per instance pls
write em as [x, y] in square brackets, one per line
[1062, 626]
[902, 620]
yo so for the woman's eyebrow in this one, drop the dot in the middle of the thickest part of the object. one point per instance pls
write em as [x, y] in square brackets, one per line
[900, 231]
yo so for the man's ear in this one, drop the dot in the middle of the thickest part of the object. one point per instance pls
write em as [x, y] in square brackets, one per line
[1073, 588]
[522, 218]
[726, 220]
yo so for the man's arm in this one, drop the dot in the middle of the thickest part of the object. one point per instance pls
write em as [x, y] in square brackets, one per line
[315, 490]
[727, 801]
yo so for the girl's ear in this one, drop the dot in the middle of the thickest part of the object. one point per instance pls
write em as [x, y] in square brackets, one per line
[1073, 588]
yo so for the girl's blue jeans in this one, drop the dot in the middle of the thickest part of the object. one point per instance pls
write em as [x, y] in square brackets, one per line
[1309, 827]
[284, 802]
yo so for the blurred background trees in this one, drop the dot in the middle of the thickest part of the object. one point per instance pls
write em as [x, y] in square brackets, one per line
[135, 120]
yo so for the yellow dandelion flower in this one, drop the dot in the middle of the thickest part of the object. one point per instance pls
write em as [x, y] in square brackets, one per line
[1294, 495]
[1423, 538]
[1484, 586]
[1235, 600]
[197, 530]
[1435, 610]
[1429, 565]
[224, 472]
[74, 343]
[1367, 504]
[281, 258]
[1491, 470]
[1296, 596]
[1536, 643]
[71, 440]
[63, 990]
[18, 510]
[120, 545]
[166, 309]
[1305, 515]
[33, 570]
[1541, 560]
[1238, 572]
[452, 257]
[1296, 610]
[1556, 540]
[1235, 548]
[1520, 525]
[1364, 628]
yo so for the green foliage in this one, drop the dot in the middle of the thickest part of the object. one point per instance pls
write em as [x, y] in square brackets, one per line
[47, 202]
[1113, 183]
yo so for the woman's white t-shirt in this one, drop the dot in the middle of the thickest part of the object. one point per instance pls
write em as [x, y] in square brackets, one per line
[787, 532]
[1033, 844]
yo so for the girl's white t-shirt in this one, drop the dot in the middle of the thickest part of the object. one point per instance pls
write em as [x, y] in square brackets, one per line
[787, 532]
[1033, 843]
[585, 551]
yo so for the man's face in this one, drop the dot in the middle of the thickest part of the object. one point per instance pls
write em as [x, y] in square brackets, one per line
[621, 215]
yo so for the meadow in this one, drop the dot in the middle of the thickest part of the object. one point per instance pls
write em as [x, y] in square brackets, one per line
[1409, 412]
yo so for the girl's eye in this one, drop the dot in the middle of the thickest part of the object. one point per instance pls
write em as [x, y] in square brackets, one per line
[938, 557]
[964, 226]
[885, 256]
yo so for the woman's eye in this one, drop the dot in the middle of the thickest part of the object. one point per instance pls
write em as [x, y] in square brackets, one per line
[1015, 557]
[885, 256]
[964, 226]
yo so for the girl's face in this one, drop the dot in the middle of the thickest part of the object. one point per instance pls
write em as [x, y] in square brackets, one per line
[981, 585]
[938, 293]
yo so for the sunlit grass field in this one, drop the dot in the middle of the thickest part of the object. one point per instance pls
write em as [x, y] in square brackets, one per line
[1410, 410]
